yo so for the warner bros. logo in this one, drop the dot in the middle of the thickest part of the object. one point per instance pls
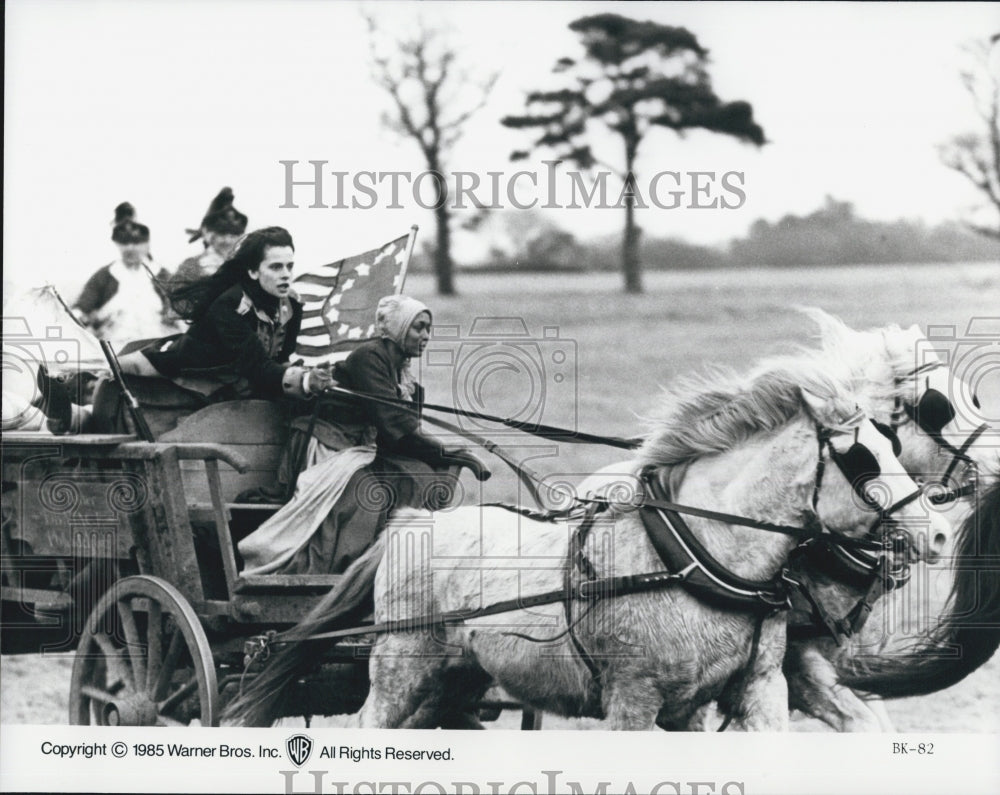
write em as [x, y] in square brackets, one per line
[299, 747]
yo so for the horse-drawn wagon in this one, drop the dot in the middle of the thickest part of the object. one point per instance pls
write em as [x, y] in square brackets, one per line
[130, 548]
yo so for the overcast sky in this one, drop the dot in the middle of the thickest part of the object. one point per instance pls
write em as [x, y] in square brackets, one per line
[162, 102]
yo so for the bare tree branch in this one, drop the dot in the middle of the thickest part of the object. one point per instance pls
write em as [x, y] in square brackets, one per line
[431, 105]
[976, 156]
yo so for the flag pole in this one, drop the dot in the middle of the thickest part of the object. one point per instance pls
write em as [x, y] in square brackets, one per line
[410, 243]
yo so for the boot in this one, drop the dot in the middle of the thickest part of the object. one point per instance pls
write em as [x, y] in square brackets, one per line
[54, 401]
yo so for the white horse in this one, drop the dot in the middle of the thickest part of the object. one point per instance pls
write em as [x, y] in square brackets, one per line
[937, 417]
[900, 381]
[764, 449]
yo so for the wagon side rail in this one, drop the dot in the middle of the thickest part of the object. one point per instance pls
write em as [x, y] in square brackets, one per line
[184, 569]
[149, 503]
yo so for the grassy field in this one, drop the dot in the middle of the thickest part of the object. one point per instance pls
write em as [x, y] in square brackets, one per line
[628, 348]
[619, 352]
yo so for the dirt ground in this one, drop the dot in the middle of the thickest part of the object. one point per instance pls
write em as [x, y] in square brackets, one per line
[35, 689]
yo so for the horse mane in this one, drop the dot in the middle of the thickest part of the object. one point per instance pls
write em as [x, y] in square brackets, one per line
[713, 411]
[876, 363]
[718, 410]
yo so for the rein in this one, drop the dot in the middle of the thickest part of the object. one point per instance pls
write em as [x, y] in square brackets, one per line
[687, 563]
[587, 591]
[531, 479]
[802, 533]
[771, 593]
[551, 432]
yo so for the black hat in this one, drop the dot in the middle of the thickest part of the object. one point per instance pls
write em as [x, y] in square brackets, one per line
[221, 217]
[127, 229]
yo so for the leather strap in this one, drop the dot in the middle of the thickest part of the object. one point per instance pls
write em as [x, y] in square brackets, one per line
[578, 561]
[704, 577]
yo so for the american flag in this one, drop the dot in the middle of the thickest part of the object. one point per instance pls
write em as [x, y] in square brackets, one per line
[340, 299]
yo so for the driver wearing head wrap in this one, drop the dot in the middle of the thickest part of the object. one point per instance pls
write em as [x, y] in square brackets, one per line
[323, 529]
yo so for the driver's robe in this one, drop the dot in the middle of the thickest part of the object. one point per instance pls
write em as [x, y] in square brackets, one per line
[360, 460]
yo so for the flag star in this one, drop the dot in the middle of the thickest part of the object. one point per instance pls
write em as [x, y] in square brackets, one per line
[335, 299]
[343, 329]
[347, 286]
[332, 315]
[363, 270]
[354, 333]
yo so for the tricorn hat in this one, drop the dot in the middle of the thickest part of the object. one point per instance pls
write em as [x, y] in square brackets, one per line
[126, 228]
[221, 217]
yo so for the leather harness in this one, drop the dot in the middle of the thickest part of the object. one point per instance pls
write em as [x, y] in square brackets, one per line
[858, 562]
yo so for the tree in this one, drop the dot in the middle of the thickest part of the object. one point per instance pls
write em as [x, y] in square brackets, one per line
[527, 240]
[635, 76]
[433, 97]
[976, 156]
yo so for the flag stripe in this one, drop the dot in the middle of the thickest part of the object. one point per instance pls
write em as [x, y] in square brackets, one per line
[319, 281]
[339, 300]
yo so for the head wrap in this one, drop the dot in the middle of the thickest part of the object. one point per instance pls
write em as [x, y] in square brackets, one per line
[395, 314]
[126, 229]
[393, 318]
[221, 217]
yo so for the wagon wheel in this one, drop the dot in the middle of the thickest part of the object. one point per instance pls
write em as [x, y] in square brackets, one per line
[143, 660]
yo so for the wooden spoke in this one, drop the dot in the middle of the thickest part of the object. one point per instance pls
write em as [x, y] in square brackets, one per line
[165, 662]
[96, 694]
[105, 644]
[166, 673]
[114, 659]
[178, 696]
[133, 643]
[154, 637]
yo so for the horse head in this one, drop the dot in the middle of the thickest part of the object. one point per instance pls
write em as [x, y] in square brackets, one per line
[904, 383]
[788, 443]
[862, 489]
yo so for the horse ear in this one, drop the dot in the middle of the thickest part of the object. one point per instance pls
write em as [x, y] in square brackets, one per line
[888, 432]
[915, 336]
[830, 326]
[817, 405]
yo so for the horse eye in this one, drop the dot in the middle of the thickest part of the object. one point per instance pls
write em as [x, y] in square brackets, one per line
[975, 400]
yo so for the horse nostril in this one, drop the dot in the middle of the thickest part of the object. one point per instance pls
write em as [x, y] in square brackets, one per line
[940, 539]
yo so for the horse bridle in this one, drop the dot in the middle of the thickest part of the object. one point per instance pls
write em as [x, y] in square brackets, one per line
[931, 413]
[880, 550]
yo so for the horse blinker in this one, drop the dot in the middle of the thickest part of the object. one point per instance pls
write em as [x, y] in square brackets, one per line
[932, 412]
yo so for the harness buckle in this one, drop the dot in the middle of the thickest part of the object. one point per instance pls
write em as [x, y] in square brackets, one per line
[257, 649]
[588, 590]
[783, 602]
[897, 578]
